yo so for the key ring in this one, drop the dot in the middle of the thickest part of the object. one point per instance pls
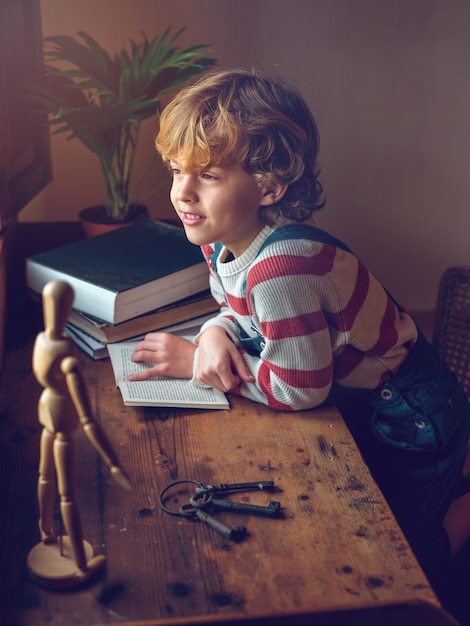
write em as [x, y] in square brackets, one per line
[201, 500]
[168, 487]
[187, 510]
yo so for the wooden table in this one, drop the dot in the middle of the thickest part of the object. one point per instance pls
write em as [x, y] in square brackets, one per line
[335, 556]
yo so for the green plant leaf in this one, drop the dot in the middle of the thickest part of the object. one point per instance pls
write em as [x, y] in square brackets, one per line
[101, 100]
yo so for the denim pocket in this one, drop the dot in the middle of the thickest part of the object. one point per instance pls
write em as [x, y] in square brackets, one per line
[420, 417]
[397, 423]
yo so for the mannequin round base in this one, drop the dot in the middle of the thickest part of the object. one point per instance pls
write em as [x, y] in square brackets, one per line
[52, 565]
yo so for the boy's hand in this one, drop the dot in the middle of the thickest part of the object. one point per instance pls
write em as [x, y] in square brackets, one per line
[172, 356]
[220, 364]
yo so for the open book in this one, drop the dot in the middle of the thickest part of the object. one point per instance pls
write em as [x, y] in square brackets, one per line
[158, 391]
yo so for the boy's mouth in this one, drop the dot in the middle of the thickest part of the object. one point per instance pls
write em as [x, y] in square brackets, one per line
[191, 218]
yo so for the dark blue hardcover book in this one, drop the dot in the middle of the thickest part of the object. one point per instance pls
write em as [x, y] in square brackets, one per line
[124, 273]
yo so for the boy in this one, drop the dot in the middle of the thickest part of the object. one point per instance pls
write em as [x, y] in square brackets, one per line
[301, 317]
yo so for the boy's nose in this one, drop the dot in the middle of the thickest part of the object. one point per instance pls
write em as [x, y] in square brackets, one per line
[186, 190]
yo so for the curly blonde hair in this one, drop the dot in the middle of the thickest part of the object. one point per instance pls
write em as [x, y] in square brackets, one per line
[243, 117]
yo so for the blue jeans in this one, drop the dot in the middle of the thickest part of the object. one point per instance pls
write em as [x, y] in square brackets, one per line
[413, 433]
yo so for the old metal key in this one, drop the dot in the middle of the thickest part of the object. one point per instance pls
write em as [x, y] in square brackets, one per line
[206, 500]
[262, 485]
[235, 533]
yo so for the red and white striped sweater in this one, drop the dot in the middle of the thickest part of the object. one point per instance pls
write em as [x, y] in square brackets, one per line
[323, 317]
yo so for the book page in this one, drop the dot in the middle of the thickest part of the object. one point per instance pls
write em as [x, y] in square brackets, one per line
[158, 391]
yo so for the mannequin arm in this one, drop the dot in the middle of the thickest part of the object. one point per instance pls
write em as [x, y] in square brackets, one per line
[94, 432]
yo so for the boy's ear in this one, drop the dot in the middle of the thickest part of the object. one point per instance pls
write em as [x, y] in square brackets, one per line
[273, 193]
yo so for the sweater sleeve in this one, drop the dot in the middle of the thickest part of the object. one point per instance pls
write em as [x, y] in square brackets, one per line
[294, 370]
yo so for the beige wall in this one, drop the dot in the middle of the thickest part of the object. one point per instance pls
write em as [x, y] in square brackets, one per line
[388, 81]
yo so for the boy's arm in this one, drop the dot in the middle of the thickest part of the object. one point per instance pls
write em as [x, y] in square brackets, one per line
[294, 370]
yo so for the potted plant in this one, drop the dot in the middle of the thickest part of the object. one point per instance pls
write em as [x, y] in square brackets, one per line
[102, 101]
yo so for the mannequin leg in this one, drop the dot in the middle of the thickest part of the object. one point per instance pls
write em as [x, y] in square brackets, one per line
[64, 456]
[47, 488]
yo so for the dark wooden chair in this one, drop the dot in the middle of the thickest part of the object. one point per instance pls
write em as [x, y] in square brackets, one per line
[451, 334]
[451, 337]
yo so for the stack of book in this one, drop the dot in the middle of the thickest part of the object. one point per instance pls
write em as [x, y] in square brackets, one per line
[128, 282]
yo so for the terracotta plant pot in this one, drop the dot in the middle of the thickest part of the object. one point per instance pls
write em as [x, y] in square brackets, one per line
[96, 221]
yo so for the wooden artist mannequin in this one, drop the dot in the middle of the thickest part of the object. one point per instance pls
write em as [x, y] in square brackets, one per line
[63, 406]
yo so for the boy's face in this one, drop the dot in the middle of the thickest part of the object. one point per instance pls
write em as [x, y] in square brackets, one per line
[220, 204]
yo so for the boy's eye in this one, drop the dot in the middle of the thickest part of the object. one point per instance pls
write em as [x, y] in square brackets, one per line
[208, 176]
[175, 170]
